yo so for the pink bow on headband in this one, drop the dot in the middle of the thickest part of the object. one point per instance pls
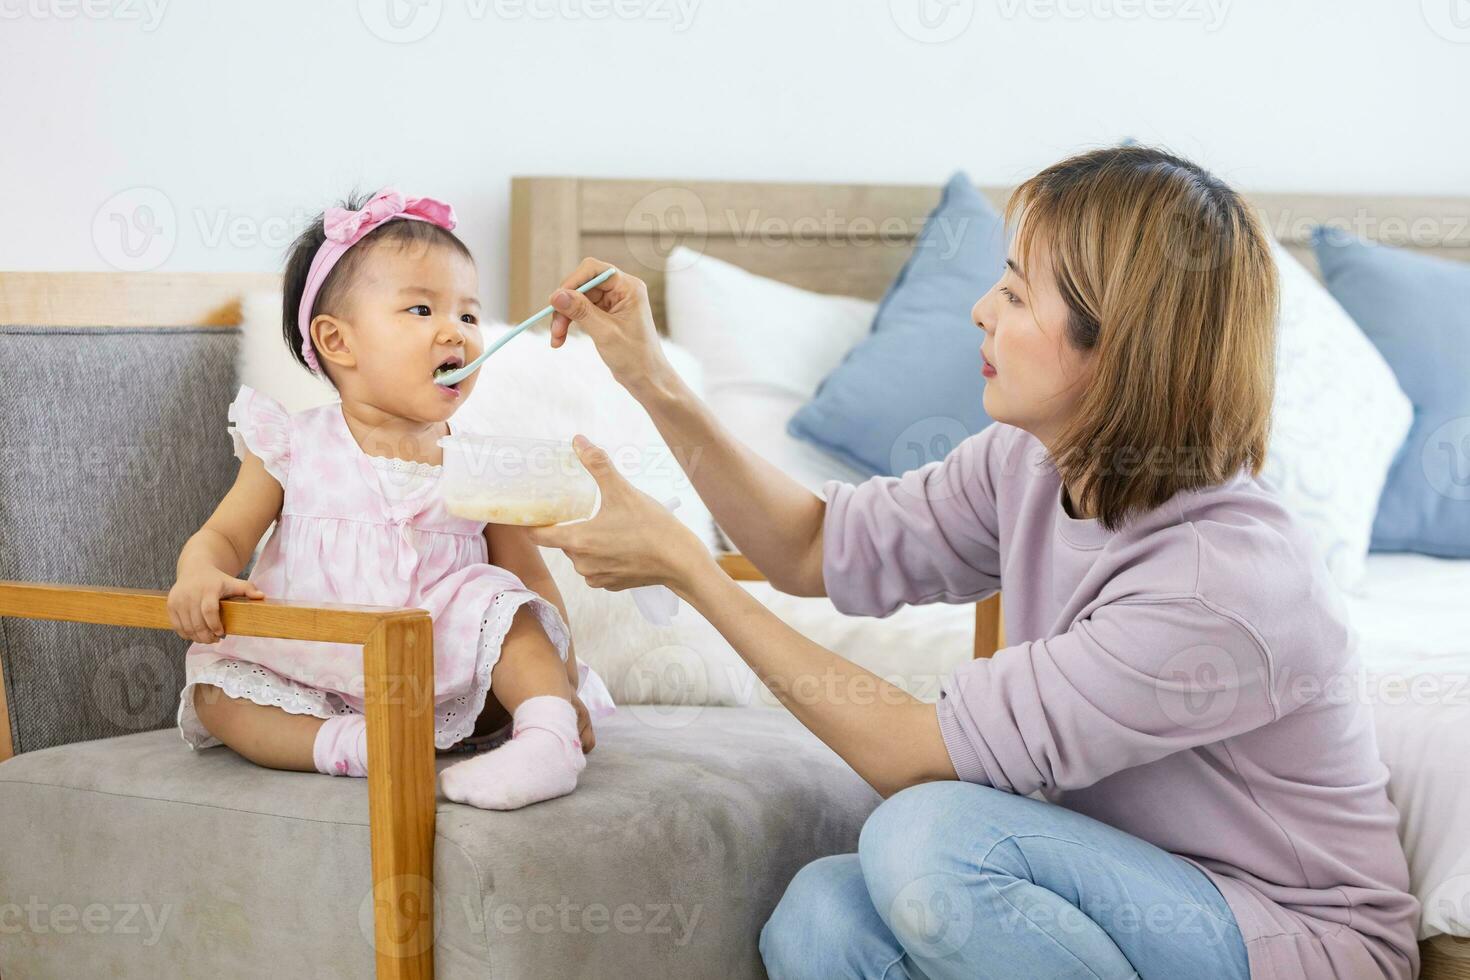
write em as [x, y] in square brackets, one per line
[348, 227]
[345, 229]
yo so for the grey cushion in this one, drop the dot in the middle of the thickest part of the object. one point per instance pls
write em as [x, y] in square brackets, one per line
[114, 452]
[666, 861]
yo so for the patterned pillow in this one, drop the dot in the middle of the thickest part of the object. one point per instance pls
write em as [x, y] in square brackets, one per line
[1338, 420]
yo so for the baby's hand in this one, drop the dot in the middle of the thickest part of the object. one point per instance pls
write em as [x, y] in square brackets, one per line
[584, 726]
[193, 603]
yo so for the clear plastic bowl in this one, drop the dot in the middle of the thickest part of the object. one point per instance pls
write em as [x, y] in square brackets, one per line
[511, 480]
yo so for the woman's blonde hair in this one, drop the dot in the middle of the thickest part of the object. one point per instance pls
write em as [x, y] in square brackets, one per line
[1170, 281]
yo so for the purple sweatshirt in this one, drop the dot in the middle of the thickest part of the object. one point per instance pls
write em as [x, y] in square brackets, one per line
[1189, 680]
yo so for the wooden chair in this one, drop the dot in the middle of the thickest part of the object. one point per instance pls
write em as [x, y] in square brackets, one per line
[398, 644]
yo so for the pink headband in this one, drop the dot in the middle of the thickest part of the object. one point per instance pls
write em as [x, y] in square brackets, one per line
[345, 229]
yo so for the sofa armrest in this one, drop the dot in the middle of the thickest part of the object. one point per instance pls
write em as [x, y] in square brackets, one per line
[398, 674]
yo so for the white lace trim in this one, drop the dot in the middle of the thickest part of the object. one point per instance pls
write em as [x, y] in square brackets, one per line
[242, 679]
[393, 464]
[454, 718]
[456, 725]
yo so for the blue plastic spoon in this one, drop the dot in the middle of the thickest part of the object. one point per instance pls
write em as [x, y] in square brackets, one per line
[455, 376]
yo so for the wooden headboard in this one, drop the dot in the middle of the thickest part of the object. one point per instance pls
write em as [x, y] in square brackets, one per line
[849, 239]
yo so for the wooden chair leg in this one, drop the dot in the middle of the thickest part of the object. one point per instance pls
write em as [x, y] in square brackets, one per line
[989, 627]
[398, 660]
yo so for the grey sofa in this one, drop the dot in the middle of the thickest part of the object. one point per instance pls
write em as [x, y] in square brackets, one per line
[125, 854]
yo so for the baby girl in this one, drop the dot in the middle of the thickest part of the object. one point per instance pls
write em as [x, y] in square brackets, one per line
[378, 296]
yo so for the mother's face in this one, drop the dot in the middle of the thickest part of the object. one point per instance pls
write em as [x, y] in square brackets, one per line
[1038, 375]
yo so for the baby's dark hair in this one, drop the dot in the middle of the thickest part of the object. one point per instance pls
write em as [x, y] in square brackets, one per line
[399, 232]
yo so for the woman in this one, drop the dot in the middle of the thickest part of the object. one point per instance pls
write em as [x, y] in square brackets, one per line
[1159, 776]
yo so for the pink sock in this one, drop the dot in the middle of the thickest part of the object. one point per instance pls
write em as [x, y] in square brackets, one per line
[341, 746]
[541, 760]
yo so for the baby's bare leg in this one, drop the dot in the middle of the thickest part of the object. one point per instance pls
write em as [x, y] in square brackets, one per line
[266, 735]
[544, 756]
[528, 666]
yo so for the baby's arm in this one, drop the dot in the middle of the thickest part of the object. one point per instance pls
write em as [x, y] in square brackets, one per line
[218, 551]
[511, 548]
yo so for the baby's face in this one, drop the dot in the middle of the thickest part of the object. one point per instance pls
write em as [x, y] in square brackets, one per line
[413, 309]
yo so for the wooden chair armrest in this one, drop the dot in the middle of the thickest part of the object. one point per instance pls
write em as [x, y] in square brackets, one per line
[739, 567]
[398, 675]
[989, 628]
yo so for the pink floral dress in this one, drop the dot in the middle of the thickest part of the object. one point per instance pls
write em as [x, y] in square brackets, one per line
[365, 530]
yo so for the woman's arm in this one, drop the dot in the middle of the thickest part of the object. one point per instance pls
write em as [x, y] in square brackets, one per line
[889, 737]
[772, 519]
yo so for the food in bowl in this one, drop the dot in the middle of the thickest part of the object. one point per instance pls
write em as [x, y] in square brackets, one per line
[515, 480]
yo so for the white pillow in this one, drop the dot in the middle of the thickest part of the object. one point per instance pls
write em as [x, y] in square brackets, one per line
[765, 347]
[267, 366]
[1338, 420]
[529, 389]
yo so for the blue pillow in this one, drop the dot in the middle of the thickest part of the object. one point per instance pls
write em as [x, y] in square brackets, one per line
[1416, 310]
[912, 390]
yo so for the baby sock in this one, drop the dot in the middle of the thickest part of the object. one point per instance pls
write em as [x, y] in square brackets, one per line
[541, 760]
[340, 748]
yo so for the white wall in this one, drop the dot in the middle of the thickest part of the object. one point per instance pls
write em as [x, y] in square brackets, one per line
[224, 124]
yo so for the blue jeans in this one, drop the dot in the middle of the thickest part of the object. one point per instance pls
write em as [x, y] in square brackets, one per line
[954, 879]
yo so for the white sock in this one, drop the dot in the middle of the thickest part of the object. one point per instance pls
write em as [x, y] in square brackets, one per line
[340, 748]
[541, 761]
